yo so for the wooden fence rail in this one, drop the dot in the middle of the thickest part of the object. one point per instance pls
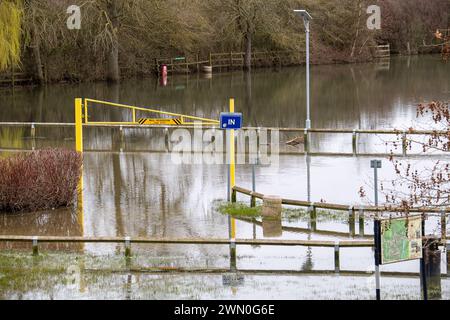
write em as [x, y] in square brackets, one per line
[341, 207]
[127, 241]
[192, 241]
[301, 130]
[355, 133]
[14, 77]
[227, 60]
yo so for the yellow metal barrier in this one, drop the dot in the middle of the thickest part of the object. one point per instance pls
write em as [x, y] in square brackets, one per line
[179, 119]
[82, 117]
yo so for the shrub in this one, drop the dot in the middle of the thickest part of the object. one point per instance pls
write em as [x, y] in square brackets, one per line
[40, 180]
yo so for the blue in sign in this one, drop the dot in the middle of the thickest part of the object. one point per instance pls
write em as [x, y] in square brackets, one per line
[230, 120]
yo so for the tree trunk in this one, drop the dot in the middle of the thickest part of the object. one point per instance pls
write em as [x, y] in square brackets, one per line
[38, 62]
[36, 46]
[358, 23]
[248, 52]
[113, 72]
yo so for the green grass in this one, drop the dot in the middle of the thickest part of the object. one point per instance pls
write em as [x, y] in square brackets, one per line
[239, 210]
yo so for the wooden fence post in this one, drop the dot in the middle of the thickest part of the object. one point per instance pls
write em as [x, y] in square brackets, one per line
[313, 217]
[351, 221]
[354, 142]
[361, 222]
[35, 246]
[336, 257]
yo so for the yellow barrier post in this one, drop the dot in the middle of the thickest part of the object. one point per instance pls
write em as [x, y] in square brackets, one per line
[232, 178]
[79, 148]
[78, 125]
[232, 158]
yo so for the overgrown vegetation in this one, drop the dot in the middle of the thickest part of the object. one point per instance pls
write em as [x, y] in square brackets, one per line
[40, 180]
[119, 38]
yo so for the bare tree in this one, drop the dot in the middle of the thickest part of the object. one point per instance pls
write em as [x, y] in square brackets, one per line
[419, 184]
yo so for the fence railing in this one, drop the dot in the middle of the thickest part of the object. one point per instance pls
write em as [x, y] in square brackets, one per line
[227, 60]
[350, 209]
[14, 77]
[305, 133]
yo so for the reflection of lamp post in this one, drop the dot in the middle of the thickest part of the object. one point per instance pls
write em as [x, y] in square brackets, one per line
[306, 19]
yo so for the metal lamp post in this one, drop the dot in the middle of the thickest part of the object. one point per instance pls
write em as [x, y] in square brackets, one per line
[306, 19]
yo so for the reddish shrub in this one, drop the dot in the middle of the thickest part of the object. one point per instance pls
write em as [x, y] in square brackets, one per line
[40, 180]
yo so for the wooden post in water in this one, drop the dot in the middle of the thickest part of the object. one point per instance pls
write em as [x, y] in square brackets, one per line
[127, 247]
[432, 261]
[337, 264]
[448, 259]
[404, 144]
[351, 221]
[313, 217]
[361, 222]
[354, 142]
[443, 225]
[35, 246]
[33, 131]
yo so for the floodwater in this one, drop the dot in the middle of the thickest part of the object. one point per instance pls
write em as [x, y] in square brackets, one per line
[133, 187]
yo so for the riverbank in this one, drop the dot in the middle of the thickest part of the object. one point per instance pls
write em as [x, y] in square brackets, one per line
[220, 62]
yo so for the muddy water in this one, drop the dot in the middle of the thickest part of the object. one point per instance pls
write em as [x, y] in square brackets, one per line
[142, 192]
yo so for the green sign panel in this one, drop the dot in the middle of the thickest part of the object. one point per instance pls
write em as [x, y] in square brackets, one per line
[401, 239]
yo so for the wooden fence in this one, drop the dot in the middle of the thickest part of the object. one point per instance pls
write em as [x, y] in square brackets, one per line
[232, 243]
[350, 209]
[402, 134]
[382, 51]
[15, 77]
[228, 60]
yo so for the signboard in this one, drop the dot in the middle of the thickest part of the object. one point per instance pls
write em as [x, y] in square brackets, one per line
[400, 239]
[230, 120]
[160, 121]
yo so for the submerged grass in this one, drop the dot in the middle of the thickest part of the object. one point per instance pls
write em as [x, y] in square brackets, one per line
[241, 209]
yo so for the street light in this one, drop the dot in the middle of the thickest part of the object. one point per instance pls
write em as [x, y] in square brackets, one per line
[306, 19]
